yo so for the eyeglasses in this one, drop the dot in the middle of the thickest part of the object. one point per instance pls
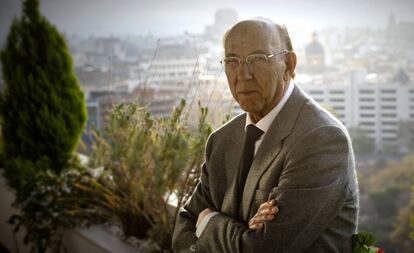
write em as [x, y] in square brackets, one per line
[253, 61]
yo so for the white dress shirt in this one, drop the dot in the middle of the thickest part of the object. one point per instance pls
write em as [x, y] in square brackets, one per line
[265, 122]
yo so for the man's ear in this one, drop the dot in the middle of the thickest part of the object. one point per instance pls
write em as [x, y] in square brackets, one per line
[290, 63]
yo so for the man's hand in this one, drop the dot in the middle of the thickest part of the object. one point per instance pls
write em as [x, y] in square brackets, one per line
[202, 215]
[267, 212]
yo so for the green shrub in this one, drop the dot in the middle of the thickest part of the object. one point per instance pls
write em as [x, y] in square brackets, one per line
[42, 115]
[42, 107]
[148, 163]
[1, 148]
[53, 205]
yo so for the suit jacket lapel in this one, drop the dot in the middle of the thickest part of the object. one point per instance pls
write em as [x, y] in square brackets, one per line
[272, 143]
[232, 162]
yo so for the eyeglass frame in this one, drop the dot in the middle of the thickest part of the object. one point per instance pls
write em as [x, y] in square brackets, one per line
[267, 57]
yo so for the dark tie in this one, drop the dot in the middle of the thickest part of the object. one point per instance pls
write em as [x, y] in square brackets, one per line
[252, 135]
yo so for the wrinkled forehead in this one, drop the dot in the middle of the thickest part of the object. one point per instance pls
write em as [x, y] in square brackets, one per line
[255, 35]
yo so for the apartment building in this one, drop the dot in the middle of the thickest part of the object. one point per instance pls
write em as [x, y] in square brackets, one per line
[384, 111]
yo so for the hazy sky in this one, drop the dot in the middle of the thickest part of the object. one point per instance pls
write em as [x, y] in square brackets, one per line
[167, 17]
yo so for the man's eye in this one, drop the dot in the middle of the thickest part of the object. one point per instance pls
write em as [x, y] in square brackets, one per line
[257, 58]
[231, 61]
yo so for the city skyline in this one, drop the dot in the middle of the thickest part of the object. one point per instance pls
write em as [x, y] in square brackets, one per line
[166, 18]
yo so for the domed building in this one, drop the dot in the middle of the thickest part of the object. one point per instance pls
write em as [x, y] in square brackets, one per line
[401, 77]
[315, 54]
[223, 20]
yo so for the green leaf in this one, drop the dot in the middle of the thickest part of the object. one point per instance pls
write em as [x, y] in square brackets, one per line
[363, 242]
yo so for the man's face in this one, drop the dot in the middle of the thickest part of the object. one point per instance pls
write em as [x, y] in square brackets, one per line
[257, 90]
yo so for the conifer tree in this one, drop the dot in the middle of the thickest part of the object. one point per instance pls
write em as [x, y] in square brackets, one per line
[42, 107]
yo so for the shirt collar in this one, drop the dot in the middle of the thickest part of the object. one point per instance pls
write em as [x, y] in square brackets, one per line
[264, 123]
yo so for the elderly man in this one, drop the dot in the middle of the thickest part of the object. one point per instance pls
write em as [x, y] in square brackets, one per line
[279, 178]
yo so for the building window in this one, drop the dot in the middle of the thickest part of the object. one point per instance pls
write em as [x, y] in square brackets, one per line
[389, 107]
[367, 123]
[367, 107]
[388, 99]
[389, 123]
[388, 115]
[389, 139]
[337, 100]
[316, 92]
[366, 91]
[366, 99]
[336, 92]
[389, 131]
[389, 91]
[367, 115]
[338, 108]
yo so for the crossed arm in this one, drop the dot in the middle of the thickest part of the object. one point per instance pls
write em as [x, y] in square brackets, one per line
[310, 193]
[266, 212]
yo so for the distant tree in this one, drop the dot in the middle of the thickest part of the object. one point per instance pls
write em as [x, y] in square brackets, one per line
[395, 175]
[42, 107]
[405, 136]
[382, 218]
[361, 143]
[412, 212]
[402, 229]
[389, 194]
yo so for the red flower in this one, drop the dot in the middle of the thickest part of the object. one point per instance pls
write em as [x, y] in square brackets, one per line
[380, 251]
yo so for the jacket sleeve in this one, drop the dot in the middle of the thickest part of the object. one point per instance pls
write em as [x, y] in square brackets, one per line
[184, 236]
[311, 191]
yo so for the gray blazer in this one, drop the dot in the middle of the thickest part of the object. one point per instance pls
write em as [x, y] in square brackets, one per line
[305, 162]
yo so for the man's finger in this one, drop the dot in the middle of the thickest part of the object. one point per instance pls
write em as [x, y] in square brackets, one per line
[268, 204]
[266, 212]
[267, 217]
[261, 218]
[256, 226]
[269, 210]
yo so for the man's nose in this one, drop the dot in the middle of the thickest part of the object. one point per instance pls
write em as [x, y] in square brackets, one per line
[244, 71]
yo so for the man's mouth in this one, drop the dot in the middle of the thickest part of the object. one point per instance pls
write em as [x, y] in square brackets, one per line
[247, 93]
